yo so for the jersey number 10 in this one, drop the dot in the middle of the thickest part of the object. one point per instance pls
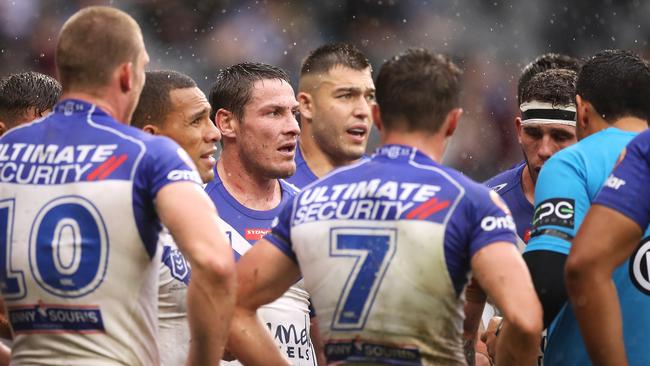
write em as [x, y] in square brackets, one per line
[67, 249]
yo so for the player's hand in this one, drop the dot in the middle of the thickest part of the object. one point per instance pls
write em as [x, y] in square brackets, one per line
[490, 335]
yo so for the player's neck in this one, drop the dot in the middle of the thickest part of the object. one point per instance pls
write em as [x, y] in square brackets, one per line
[431, 145]
[632, 124]
[102, 103]
[527, 185]
[316, 159]
[253, 192]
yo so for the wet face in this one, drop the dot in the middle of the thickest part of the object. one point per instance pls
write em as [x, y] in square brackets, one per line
[540, 141]
[188, 123]
[341, 114]
[268, 132]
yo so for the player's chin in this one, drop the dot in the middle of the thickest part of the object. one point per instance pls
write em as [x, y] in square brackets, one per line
[284, 169]
[207, 175]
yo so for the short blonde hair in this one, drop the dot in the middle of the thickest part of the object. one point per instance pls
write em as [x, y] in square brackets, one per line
[92, 43]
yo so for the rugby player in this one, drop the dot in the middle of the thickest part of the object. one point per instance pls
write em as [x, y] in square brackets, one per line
[607, 269]
[254, 107]
[82, 199]
[385, 245]
[25, 97]
[172, 105]
[546, 125]
[611, 105]
[336, 93]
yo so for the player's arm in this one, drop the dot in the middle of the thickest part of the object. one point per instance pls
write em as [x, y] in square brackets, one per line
[561, 201]
[191, 218]
[502, 273]
[605, 240]
[474, 304]
[264, 273]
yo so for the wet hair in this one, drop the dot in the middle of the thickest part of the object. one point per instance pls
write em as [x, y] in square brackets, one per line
[22, 91]
[542, 63]
[233, 88]
[92, 43]
[617, 84]
[555, 86]
[416, 90]
[324, 58]
[155, 101]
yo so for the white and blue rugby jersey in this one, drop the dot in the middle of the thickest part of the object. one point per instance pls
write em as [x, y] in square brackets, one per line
[78, 236]
[385, 247]
[287, 318]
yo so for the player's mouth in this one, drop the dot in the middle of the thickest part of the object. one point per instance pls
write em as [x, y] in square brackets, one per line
[358, 133]
[208, 157]
[288, 149]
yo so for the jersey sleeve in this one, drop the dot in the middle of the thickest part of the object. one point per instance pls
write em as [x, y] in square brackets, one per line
[165, 162]
[561, 202]
[627, 190]
[280, 234]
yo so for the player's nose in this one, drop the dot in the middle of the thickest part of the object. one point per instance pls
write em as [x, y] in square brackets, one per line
[212, 133]
[546, 148]
[362, 108]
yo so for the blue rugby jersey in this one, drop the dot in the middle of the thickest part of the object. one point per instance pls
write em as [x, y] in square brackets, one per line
[567, 185]
[400, 231]
[288, 317]
[627, 191]
[79, 236]
[508, 185]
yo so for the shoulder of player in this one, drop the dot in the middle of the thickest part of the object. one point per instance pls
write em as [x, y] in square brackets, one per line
[506, 180]
[289, 188]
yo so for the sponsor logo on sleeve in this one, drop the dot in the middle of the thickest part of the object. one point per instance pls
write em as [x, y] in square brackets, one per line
[555, 211]
[614, 182]
[490, 223]
[640, 267]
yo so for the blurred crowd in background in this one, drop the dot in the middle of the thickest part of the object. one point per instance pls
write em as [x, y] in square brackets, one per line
[490, 39]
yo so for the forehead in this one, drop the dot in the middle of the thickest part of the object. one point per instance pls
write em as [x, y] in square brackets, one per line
[550, 127]
[274, 92]
[188, 98]
[344, 77]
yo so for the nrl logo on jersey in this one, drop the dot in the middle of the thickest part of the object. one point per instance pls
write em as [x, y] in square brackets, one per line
[178, 266]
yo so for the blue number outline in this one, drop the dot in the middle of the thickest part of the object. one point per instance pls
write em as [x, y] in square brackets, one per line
[10, 205]
[104, 246]
[360, 258]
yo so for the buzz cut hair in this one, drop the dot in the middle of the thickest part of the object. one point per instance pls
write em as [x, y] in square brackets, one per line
[22, 91]
[155, 100]
[92, 44]
[326, 57]
[233, 88]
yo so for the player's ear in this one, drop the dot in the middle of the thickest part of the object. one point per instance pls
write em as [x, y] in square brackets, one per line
[226, 122]
[3, 128]
[519, 128]
[152, 129]
[306, 105]
[451, 121]
[582, 112]
[376, 117]
[125, 76]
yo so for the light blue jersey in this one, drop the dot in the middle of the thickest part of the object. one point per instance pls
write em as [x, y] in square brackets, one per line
[566, 187]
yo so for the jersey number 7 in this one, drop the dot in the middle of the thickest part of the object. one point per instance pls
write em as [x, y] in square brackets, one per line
[373, 250]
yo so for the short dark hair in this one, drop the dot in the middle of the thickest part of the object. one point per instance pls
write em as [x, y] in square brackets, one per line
[232, 89]
[555, 86]
[617, 84]
[542, 63]
[19, 92]
[324, 58]
[155, 102]
[417, 88]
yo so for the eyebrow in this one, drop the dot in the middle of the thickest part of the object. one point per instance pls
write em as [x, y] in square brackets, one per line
[353, 89]
[199, 114]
